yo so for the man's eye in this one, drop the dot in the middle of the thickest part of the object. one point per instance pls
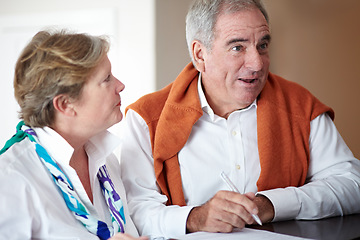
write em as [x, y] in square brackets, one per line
[264, 46]
[237, 48]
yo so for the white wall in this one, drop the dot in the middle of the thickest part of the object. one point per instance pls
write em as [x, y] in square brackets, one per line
[129, 24]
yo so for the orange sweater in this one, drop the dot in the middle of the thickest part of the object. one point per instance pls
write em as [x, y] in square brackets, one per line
[284, 112]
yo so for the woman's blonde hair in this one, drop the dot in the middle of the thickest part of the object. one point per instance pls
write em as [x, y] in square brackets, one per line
[54, 63]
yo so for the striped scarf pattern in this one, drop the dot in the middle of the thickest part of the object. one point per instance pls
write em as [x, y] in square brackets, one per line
[71, 198]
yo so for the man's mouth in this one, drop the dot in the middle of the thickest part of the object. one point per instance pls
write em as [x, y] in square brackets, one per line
[248, 80]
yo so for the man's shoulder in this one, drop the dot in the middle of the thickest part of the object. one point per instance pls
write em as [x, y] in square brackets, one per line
[287, 86]
[151, 104]
[292, 97]
[291, 92]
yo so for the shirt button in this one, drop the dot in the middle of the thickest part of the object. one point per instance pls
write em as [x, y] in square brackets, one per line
[238, 167]
[234, 133]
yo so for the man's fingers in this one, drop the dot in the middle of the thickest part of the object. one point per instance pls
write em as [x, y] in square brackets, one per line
[244, 200]
[222, 213]
[235, 214]
[250, 195]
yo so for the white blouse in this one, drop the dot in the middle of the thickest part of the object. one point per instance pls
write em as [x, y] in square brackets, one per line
[31, 206]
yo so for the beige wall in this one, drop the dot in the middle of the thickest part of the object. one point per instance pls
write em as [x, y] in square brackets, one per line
[315, 43]
[171, 49]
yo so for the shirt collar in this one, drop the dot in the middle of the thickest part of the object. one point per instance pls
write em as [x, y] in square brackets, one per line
[97, 148]
[206, 107]
[56, 146]
[101, 146]
[203, 102]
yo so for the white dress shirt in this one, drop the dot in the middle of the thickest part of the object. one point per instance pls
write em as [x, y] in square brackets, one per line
[230, 145]
[31, 205]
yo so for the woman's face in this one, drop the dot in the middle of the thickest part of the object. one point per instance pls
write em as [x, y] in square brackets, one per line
[99, 104]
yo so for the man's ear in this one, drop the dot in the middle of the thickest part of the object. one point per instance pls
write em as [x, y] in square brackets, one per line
[63, 104]
[198, 51]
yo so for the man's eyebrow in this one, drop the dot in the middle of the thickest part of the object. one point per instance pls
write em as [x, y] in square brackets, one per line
[235, 40]
[267, 37]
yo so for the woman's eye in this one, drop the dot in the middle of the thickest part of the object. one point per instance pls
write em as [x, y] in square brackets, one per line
[107, 79]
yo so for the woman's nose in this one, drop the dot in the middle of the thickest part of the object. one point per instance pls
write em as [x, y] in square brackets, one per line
[119, 86]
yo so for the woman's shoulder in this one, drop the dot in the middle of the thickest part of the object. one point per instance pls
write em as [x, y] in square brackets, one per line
[16, 157]
[20, 166]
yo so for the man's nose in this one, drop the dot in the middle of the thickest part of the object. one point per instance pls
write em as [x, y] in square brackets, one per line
[253, 60]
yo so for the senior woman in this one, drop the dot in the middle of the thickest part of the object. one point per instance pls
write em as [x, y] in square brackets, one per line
[59, 177]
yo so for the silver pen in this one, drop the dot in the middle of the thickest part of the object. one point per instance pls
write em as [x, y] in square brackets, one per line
[234, 189]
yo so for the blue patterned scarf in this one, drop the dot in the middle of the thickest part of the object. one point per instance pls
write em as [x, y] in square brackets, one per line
[72, 200]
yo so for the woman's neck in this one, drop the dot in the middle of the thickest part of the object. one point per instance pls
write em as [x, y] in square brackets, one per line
[79, 161]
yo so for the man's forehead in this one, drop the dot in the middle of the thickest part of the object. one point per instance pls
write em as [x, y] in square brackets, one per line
[243, 35]
[242, 23]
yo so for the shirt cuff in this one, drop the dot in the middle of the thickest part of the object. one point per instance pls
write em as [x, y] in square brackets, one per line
[285, 202]
[176, 221]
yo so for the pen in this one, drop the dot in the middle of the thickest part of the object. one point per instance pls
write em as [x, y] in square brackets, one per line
[234, 189]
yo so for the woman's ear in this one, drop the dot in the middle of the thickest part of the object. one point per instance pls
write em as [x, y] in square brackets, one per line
[63, 104]
[198, 50]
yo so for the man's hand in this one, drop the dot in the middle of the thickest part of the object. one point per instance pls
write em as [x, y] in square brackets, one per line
[225, 211]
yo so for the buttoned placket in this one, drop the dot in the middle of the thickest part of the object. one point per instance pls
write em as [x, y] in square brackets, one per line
[236, 154]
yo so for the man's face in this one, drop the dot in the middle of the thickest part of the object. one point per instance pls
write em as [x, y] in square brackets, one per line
[236, 68]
